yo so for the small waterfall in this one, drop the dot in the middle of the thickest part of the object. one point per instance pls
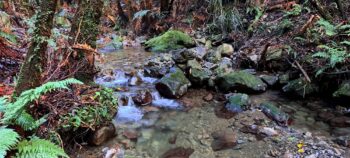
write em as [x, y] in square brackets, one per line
[129, 113]
[159, 101]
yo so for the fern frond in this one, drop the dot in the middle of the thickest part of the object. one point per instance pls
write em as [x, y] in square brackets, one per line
[9, 138]
[345, 43]
[3, 102]
[13, 110]
[9, 37]
[329, 28]
[321, 55]
[27, 122]
[39, 148]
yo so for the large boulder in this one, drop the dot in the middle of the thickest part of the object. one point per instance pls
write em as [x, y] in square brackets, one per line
[300, 87]
[276, 114]
[343, 91]
[158, 66]
[237, 103]
[240, 81]
[173, 84]
[170, 40]
[225, 50]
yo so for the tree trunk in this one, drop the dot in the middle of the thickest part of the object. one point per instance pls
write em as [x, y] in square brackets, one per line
[34, 64]
[164, 6]
[85, 30]
[123, 19]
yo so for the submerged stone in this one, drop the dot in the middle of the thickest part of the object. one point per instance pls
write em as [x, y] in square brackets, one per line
[173, 84]
[241, 81]
[301, 87]
[224, 139]
[158, 65]
[238, 103]
[276, 114]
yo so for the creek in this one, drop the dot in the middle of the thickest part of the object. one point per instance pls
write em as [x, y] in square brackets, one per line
[186, 125]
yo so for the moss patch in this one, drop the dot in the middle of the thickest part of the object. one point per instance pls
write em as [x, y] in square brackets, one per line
[170, 40]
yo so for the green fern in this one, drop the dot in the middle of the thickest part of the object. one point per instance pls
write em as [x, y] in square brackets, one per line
[39, 148]
[328, 27]
[14, 110]
[9, 139]
[27, 122]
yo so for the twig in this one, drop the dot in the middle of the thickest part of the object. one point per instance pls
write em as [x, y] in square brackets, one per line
[303, 71]
[308, 24]
[78, 32]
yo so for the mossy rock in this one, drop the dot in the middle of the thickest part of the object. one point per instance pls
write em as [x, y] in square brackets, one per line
[170, 40]
[276, 114]
[173, 84]
[301, 87]
[241, 81]
[199, 77]
[238, 103]
[343, 91]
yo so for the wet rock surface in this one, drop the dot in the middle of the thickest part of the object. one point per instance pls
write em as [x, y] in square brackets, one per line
[174, 84]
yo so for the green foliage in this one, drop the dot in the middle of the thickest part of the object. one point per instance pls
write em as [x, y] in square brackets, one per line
[329, 28]
[171, 39]
[27, 122]
[258, 14]
[225, 19]
[39, 148]
[9, 139]
[297, 9]
[92, 116]
[14, 110]
[9, 37]
[333, 55]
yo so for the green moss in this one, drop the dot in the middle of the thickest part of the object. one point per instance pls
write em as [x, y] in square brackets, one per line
[170, 40]
[241, 80]
[300, 87]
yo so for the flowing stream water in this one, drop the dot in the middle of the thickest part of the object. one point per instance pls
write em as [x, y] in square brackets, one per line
[150, 131]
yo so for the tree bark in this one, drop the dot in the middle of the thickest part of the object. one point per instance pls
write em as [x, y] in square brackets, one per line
[164, 6]
[122, 17]
[35, 62]
[85, 30]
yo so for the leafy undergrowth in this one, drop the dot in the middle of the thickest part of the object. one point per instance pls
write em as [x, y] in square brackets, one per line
[55, 107]
[171, 39]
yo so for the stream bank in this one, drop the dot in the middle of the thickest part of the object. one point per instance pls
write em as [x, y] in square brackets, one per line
[199, 125]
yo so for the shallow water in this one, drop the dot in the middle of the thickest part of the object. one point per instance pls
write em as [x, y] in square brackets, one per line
[187, 122]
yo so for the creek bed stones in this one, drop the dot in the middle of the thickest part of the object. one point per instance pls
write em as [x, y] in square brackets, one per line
[173, 84]
[241, 81]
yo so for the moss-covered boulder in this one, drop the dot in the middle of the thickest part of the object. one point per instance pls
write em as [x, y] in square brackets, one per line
[343, 91]
[240, 81]
[276, 114]
[199, 77]
[173, 84]
[170, 40]
[300, 87]
[238, 103]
